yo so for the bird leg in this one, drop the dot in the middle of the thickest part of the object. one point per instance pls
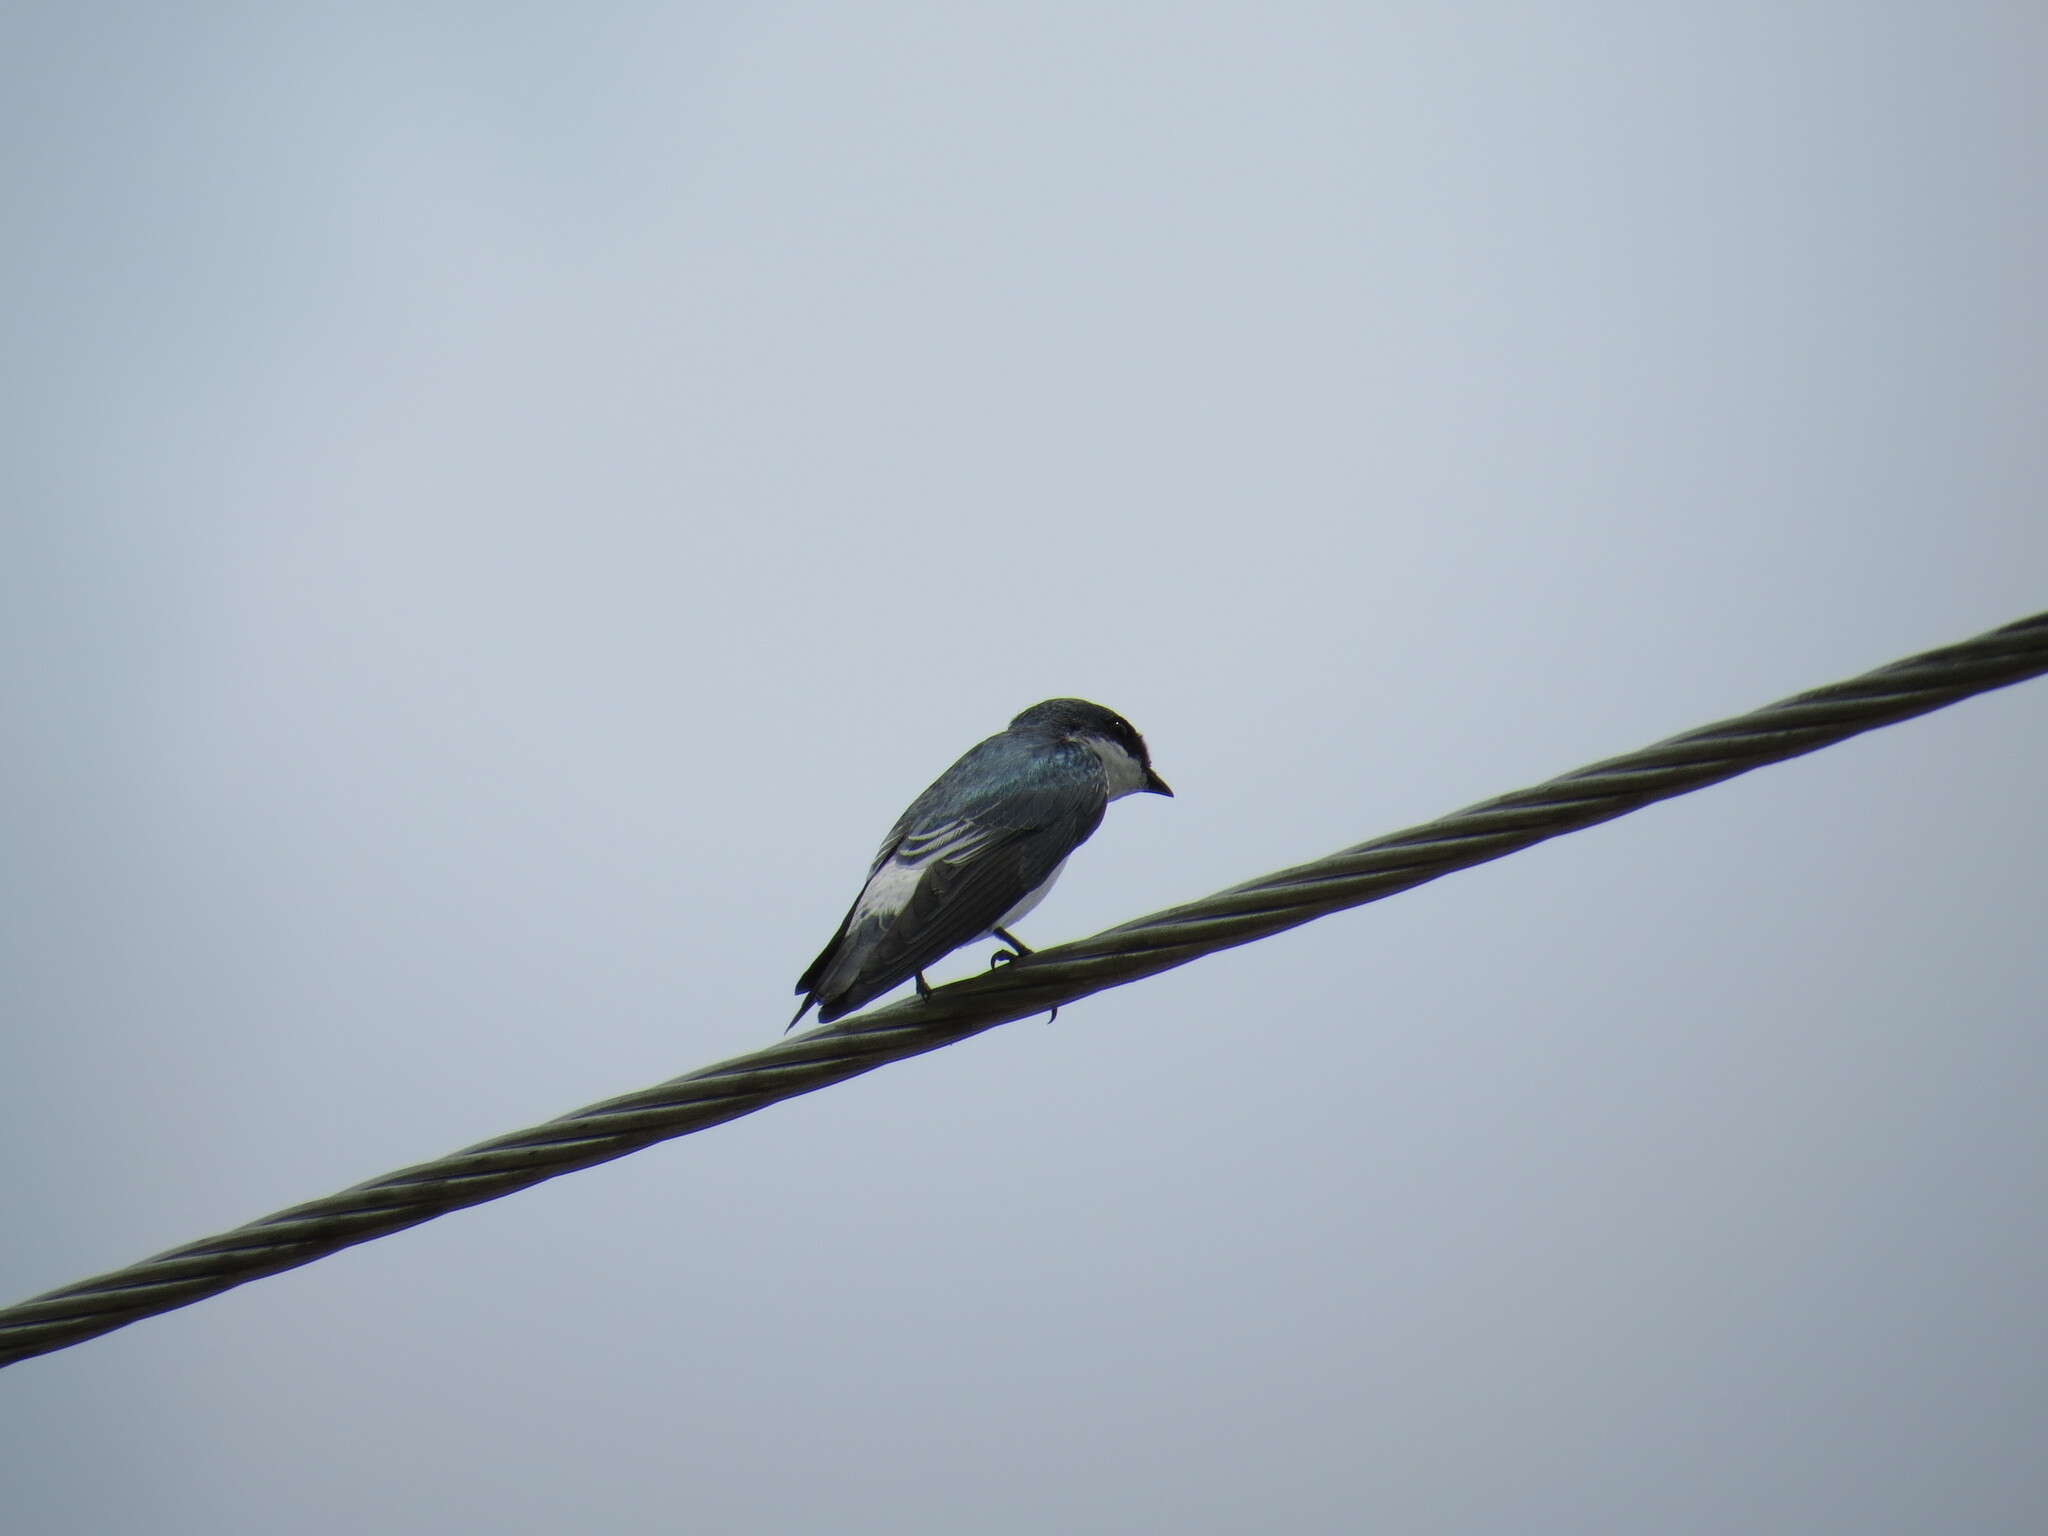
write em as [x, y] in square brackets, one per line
[924, 988]
[1017, 950]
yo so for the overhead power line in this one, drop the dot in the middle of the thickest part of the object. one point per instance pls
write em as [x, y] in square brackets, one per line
[1032, 985]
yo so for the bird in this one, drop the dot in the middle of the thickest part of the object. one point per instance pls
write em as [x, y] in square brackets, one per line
[979, 849]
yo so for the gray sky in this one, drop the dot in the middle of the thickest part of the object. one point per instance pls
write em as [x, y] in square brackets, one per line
[505, 504]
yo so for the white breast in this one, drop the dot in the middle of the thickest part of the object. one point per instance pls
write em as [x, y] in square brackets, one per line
[1017, 912]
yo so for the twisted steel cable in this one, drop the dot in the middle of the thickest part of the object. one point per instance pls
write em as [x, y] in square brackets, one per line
[1047, 978]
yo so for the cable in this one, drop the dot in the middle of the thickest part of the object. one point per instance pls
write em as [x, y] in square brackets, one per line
[1048, 977]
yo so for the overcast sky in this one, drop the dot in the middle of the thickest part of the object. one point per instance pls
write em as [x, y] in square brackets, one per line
[504, 504]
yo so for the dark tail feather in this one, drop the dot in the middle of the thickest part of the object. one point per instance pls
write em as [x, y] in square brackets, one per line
[799, 1014]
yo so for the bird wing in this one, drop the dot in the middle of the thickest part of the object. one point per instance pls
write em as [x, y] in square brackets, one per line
[968, 849]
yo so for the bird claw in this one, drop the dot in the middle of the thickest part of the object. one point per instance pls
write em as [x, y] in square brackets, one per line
[1010, 957]
[1017, 951]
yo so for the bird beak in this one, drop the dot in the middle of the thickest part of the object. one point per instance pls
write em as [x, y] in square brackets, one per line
[1155, 785]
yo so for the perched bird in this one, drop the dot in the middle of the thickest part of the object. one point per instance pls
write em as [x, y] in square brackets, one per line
[979, 849]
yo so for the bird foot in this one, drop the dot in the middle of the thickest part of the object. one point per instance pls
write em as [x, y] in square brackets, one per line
[1011, 956]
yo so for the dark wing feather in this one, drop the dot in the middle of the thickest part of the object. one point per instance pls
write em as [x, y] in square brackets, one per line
[985, 835]
[954, 839]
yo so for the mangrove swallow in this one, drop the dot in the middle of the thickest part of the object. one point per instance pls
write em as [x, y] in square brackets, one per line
[979, 849]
